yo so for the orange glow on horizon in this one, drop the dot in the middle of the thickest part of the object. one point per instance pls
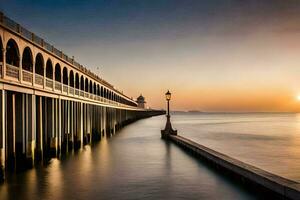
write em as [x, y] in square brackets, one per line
[231, 100]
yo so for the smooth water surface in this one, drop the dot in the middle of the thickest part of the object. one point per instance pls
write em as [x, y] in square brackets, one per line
[270, 141]
[133, 164]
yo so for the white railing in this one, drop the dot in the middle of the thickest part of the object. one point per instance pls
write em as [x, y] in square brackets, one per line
[82, 93]
[65, 88]
[12, 71]
[77, 92]
[71, 90]
[49, 83]
[39, 80]
[27, 76]
[57, 85]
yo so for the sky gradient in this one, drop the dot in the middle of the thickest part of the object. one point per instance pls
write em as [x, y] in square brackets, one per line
[213, 55]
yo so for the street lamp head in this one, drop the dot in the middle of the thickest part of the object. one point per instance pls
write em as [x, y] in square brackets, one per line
[168, 95]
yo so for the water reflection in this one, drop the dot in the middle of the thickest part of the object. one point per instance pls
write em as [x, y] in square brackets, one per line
[133, 164]
[54, 175]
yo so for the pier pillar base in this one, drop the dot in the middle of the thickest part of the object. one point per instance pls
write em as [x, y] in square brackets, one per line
[2, 165]
[53, 146]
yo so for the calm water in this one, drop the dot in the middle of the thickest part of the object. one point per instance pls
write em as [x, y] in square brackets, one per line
[134, 164]
[268, 141]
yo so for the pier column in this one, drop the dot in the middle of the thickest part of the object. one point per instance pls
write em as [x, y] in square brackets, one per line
[69, 124]
[72, 122]
[10, 124]
[30, 107]
[64, 124]
[53, 138]
[84, 122]
[56, 126]
[39, 127]
[81, 124]
[3, 131]
[59, 125]
[88, 123]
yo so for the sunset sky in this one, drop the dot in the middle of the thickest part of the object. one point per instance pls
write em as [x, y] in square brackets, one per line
[213, 55]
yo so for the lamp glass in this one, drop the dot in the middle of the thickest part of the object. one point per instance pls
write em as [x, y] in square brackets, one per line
[168, 95]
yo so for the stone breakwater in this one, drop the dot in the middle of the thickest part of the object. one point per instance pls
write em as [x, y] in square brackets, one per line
[258, 178]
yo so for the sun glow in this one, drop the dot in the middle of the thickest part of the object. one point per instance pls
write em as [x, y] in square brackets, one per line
[298, 97]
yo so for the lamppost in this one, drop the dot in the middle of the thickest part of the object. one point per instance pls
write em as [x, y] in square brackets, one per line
[168, 129]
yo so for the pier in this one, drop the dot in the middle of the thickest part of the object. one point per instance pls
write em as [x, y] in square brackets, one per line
[51, 104]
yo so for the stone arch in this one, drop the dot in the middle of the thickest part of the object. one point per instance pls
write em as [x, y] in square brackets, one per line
[27, 60]
[65, 76]
[101, 91]
[57, 72]
[39, 64]
[49, 69]
[12, 53]
[95, 88]
[71, 78]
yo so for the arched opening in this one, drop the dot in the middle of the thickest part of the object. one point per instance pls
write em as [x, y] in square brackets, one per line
[39, 64]
[81, 83]
[86, 85]
[71, 79]
[12, 53]
[105, 93]
[27, 63]
[101, 91]
[91, 87]
[49, 69]
[77, 81]
[98, 90]
[95, 89]
[57, 73]
[65, 76]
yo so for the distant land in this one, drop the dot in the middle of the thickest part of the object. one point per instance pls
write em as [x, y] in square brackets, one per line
[205, 112]
[186, 112]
